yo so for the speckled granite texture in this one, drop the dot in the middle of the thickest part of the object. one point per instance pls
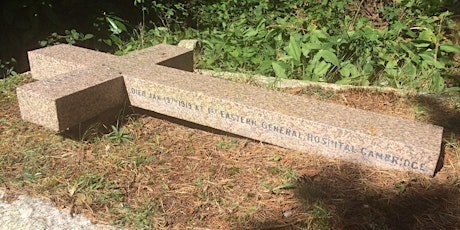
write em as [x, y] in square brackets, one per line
[77, 84]
[273, 117]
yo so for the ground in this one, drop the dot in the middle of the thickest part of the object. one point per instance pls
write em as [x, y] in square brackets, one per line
[151, 171]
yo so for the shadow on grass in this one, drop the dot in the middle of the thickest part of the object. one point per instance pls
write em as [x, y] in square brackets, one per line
[100, 125]
[119, 116]
[342, 198]
[441, 114]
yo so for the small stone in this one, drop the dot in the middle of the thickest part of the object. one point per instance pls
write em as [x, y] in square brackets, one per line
[287, 214]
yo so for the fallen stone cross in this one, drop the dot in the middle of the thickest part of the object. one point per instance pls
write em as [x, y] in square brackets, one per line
[76, 84]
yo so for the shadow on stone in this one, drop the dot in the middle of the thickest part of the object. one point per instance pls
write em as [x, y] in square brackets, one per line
[99, 126]
[441, 114]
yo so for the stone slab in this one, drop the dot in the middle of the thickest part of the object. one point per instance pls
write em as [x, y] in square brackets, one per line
[68, 99]
[281, 119]
[77, 84]
[286, 120]
[52, 61]
[59, 59]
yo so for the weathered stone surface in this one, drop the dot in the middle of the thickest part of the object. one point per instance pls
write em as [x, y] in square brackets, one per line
[78, 84]
[286, 120]
[68, 99]
[281, 119]
[59, 59]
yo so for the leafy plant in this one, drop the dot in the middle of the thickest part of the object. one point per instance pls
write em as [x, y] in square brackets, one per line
[7, 68]
[406, 47]
[118, 135]
[405, 44]
[227, 145]
[70, 37]
[116, 26]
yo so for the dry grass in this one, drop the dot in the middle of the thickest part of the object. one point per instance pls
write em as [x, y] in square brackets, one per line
[175, 175]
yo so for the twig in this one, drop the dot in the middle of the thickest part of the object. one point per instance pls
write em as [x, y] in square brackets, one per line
[436, 48]
[289, 27]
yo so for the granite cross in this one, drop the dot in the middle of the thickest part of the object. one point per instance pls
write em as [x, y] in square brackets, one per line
[76, 84]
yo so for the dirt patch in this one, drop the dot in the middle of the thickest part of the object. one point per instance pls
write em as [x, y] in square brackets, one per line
[158, 172]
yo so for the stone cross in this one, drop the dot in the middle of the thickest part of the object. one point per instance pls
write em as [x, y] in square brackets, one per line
[76, 84]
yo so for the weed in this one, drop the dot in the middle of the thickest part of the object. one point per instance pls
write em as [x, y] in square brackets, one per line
[118, 135]
[198, 182]
[321, 218]
[34, 164]
[143, 159]
[233, 171]
[286, 172]
[318, 91]
[158, 138]
[70, 37]
[276, 158]
[7, 69]
[143, 218]
[284, 186]
[401, 187]
[420, 112]
[91, 134]
[267, 186]
[11, 83]
[227, 145]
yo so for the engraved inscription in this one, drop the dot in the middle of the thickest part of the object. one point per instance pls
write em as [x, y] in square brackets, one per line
[308, 137]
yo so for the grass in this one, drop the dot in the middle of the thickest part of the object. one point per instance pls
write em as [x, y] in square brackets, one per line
[173, 176]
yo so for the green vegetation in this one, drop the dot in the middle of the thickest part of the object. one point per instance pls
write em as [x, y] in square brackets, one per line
[402, 44]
